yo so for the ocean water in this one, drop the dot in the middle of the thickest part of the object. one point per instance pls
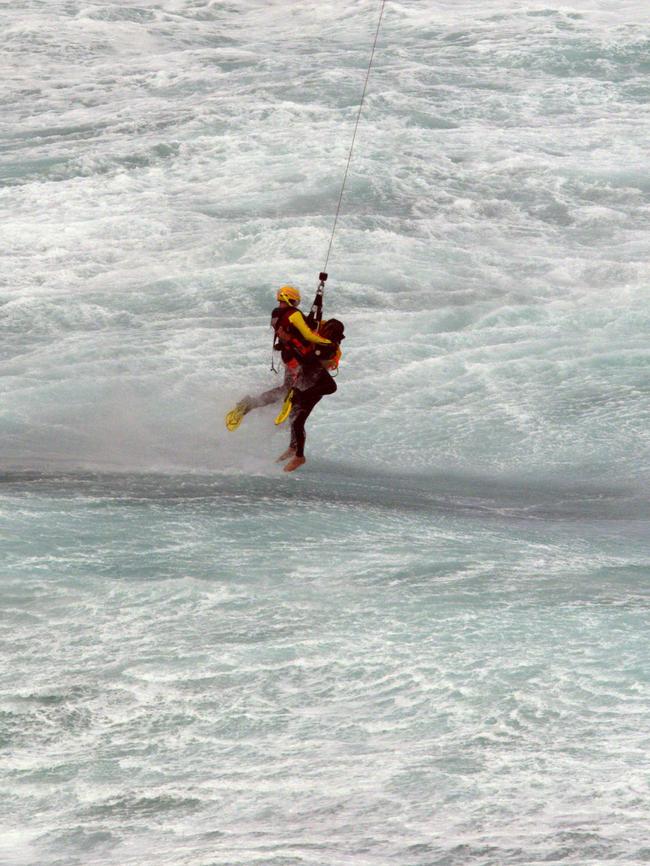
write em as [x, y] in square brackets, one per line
[430, 644]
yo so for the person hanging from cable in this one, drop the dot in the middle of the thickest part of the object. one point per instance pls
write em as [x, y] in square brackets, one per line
[287, 296]
[306, 354]
[309, 346]
[315, 352]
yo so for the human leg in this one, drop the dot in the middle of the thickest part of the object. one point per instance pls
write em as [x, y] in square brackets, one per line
[304, 402]
[273, 395]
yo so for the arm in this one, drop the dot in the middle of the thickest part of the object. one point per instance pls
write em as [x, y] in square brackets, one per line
[298, 321]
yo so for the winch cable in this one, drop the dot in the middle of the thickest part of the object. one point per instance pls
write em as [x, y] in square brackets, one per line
[354, 135]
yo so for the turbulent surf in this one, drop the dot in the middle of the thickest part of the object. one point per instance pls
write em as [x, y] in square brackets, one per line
[429, 645]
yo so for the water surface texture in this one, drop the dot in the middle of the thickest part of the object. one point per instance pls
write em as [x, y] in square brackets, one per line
[429, 646]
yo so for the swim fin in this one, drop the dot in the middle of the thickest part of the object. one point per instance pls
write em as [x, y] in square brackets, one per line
[287, 406]
[234, 417]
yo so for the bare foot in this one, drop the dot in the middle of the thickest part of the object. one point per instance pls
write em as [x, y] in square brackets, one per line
[294, 464]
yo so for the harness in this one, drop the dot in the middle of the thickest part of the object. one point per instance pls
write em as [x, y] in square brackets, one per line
[289, 341]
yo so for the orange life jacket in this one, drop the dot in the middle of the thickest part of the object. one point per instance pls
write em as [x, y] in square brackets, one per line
[329, 356]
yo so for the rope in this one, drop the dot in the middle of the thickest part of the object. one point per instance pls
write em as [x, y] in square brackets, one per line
[356, 126]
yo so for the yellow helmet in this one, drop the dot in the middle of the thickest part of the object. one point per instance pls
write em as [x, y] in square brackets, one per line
[289, 295]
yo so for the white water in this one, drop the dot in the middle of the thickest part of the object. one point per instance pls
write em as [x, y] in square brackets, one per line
[428, 646]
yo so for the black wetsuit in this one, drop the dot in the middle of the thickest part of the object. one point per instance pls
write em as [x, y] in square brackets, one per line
[315, 383]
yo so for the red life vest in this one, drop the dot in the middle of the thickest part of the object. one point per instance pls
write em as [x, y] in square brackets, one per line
[289, 340]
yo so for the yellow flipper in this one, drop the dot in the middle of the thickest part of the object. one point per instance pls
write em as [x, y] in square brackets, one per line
[234, 418]
[287, 406]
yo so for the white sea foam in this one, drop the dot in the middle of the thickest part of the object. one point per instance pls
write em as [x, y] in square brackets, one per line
[428, 646]
[186, 166]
